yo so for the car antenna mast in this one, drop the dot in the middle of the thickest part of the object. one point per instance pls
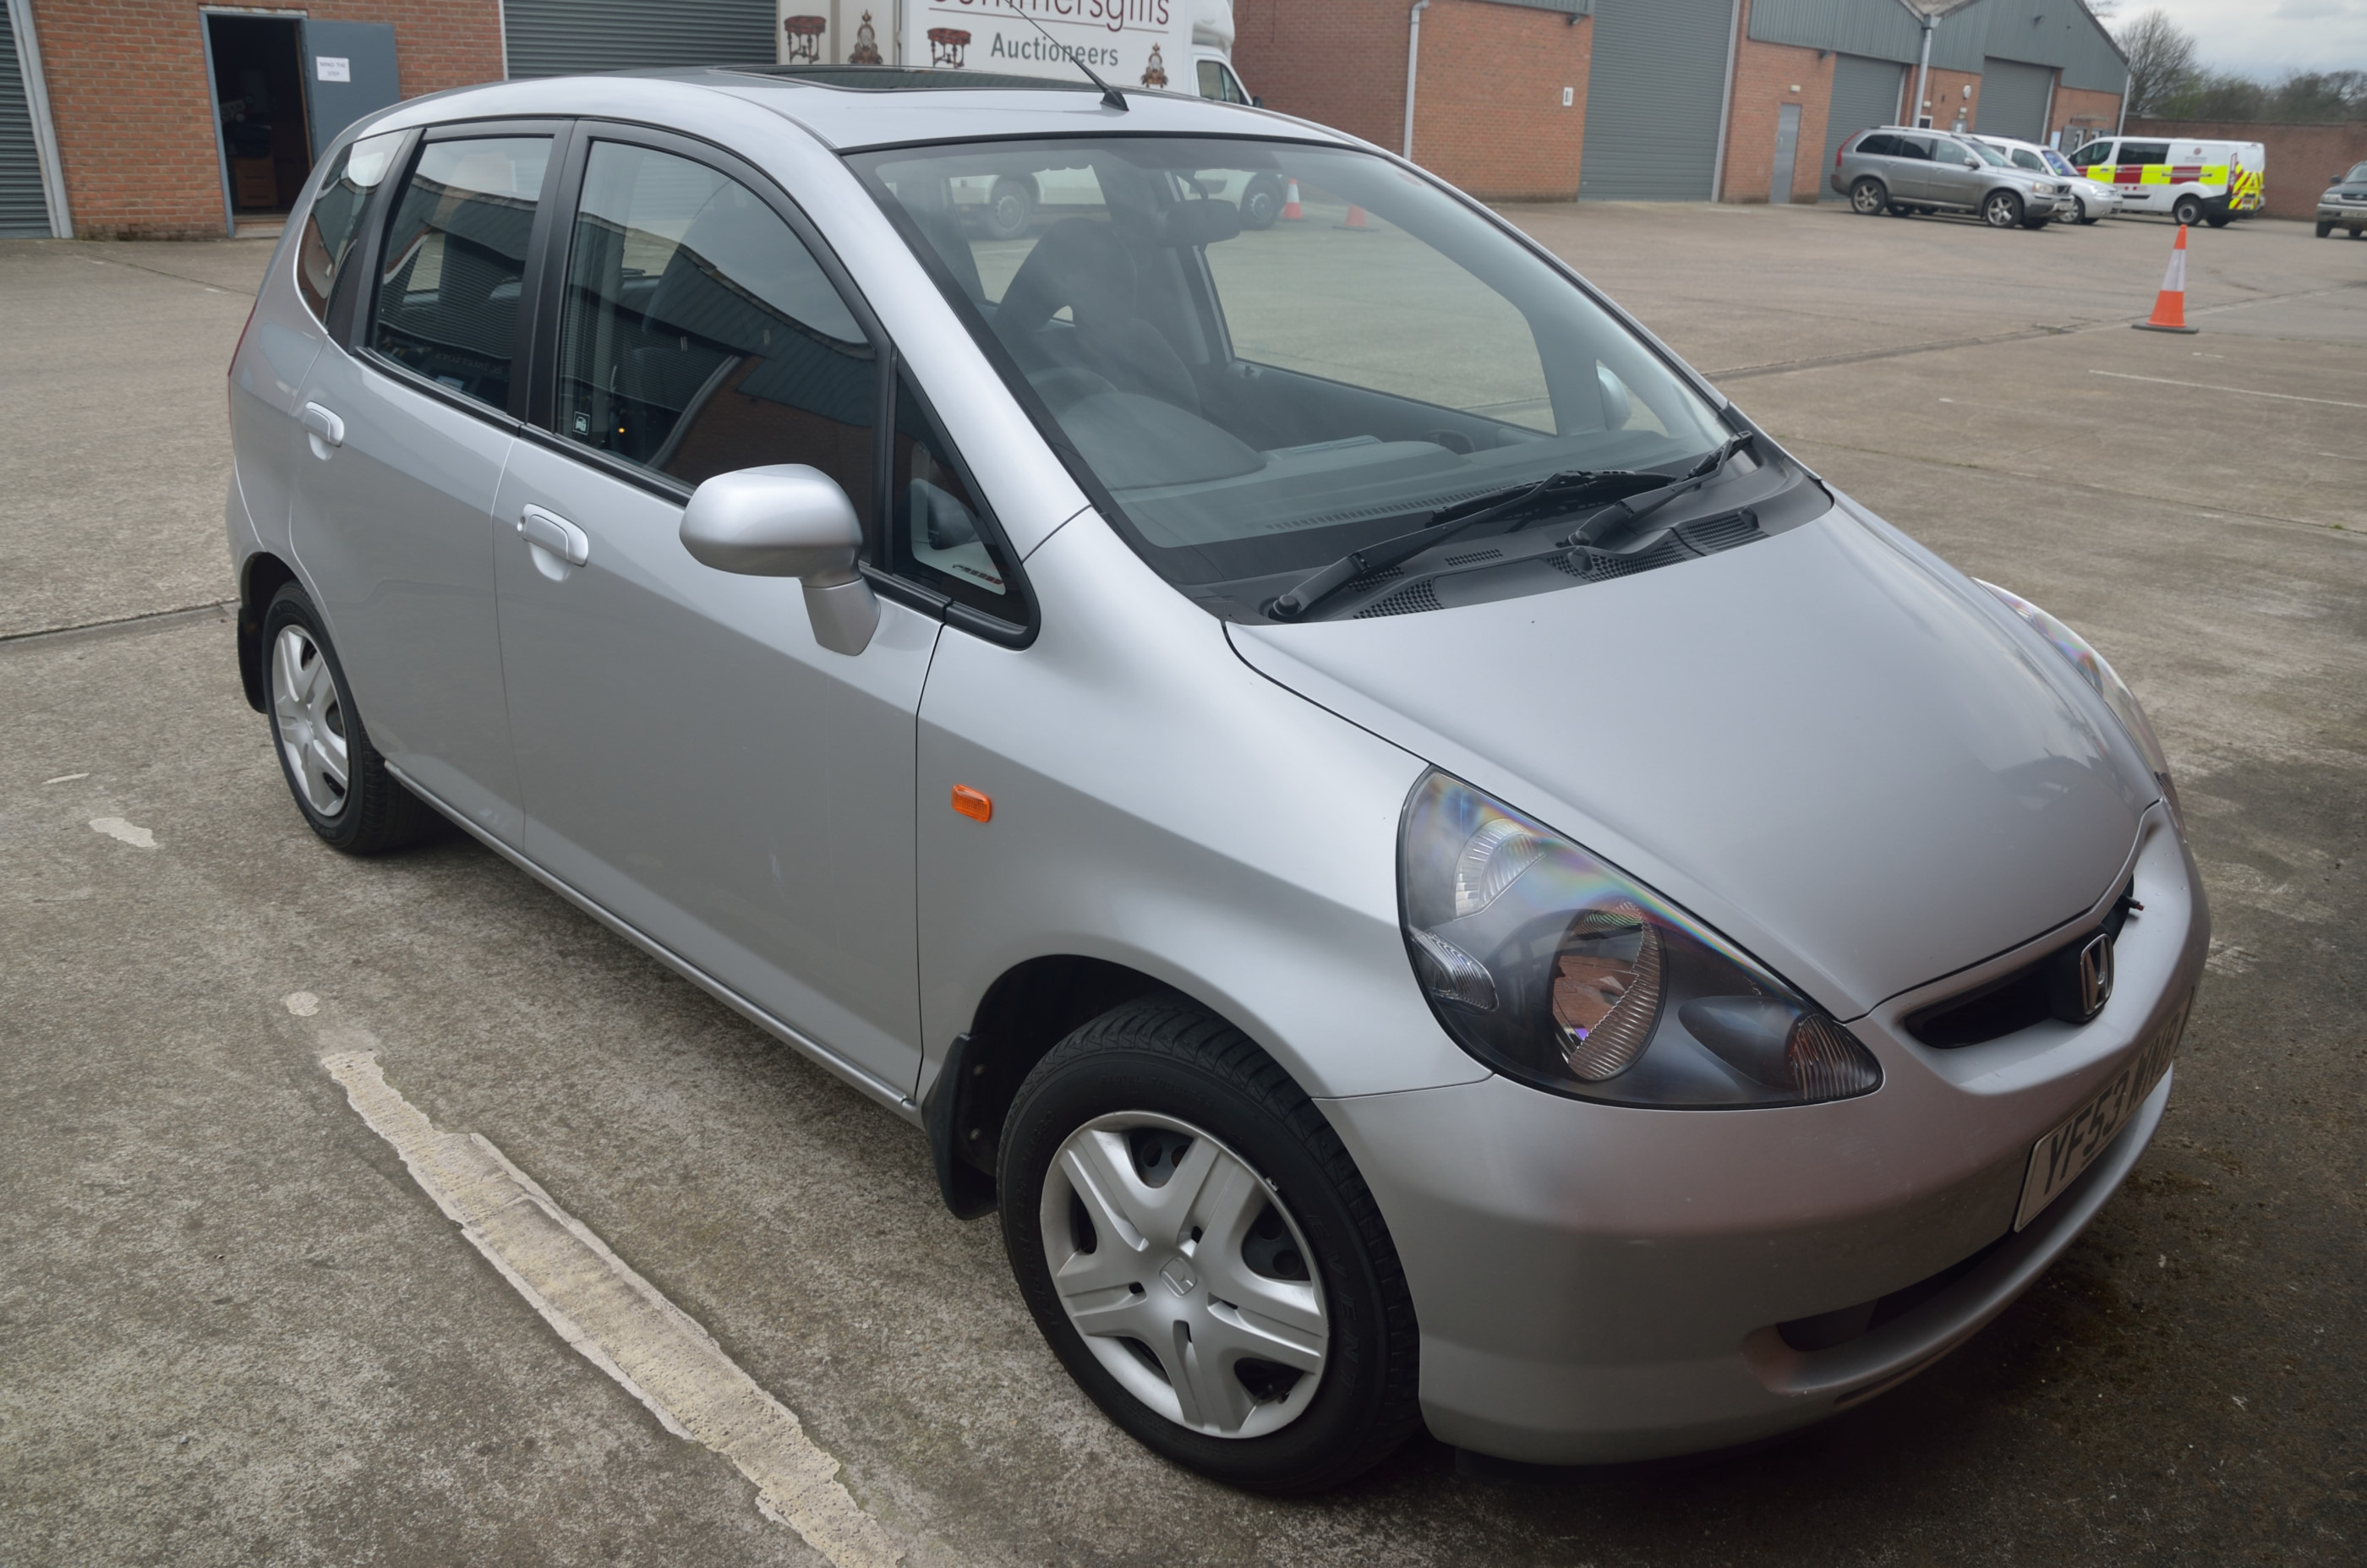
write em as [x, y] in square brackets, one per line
[1110, 95]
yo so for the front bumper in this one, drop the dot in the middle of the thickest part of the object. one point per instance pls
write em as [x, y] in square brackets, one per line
[2355, 214]
[1597, 1283]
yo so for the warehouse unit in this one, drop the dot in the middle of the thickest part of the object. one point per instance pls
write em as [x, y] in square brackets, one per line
[1669, 100]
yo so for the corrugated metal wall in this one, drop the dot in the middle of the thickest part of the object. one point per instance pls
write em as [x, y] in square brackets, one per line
[1653, 95]
[1865, 92]
[23, 208]
[2038, 32]
[2013, 99]
[556, 38]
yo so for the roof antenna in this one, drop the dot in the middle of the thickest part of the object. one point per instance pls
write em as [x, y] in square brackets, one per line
[1110, 95]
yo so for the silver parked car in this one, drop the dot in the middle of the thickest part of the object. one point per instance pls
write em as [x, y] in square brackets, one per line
[2086, 201]
[1432, 871]
[2344, 204]
[1900, 170]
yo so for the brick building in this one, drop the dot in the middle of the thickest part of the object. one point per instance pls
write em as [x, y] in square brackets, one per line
[177, 119]
[1732, 100]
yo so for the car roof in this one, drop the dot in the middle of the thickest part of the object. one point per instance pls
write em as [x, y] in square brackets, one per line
[848, 107]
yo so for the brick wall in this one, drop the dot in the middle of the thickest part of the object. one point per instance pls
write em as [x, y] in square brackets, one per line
[1766, 77]
[2091, 113]
[134, 112]
[2299, 156]
[1944, 99]
[1341, 64]
[1488, 109]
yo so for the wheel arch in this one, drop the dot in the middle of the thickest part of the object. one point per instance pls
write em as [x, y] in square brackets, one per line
[262, 576]
[1029, 1008]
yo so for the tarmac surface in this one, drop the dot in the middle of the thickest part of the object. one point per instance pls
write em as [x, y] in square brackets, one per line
[235, 1330]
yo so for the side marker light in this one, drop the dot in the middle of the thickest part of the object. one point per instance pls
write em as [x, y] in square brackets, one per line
[974, 804]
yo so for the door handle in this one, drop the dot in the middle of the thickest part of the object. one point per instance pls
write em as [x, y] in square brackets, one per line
[324, 427]
[555, 534]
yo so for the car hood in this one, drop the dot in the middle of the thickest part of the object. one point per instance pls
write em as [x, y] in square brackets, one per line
[1838, 750]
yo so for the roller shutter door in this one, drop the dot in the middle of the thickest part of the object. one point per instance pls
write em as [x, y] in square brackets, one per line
[23, 208]
[2013, 99]
[1865, 92]
[559, 38]
[1652, 99]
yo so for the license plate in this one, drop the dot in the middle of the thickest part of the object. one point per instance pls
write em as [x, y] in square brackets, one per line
[2057, 1159]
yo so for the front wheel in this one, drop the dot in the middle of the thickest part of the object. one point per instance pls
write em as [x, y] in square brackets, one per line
[2188, 210]
[1199, 1250]
[1009, 206]
[1868, 198]
[2002, 210]
[2326, 228]
[2084, 213]
[1261, 204]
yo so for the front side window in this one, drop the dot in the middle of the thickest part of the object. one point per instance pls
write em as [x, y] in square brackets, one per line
[1217, 82]
[699, 335]
[448, 287]
[1257, 402]
[2092, 154]
[2024, 158]
[336, 217]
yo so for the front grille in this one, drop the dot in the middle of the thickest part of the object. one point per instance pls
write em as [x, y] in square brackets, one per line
[2009, 1003]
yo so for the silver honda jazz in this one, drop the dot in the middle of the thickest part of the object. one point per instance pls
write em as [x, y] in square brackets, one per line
[1432, 873]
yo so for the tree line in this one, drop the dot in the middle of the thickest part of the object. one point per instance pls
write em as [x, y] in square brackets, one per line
[2165, 83]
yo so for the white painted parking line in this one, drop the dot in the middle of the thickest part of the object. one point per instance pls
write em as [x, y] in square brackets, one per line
[2244, 392]
[130, 833]
[618, 1320]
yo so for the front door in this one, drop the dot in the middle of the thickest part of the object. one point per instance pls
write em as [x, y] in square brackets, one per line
[1787, 150]
[392, 521]
[1959, 175]
[691, 760]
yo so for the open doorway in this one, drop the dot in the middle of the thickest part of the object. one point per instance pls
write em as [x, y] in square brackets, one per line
[258, 78]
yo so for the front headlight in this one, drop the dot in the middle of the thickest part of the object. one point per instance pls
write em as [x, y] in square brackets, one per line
[1551, 968]
[2108, 685]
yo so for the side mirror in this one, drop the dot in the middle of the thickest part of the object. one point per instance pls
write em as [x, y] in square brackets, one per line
[1257, 103]
[790, 520]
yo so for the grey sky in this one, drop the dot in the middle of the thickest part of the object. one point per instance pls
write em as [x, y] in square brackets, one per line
[2266, 37]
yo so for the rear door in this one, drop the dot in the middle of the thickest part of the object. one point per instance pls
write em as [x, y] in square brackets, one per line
[392, 521]
[1910, 168]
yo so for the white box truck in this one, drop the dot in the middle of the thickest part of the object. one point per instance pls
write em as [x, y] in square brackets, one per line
[1180, 46]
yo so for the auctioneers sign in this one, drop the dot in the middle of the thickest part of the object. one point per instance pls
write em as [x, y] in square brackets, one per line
[1131, 43]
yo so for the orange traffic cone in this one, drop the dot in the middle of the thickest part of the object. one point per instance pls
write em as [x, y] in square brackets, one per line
[1355, 219]
[2169, 305]
[1291, 211]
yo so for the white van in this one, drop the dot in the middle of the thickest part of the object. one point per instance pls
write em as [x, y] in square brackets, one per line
[2194, 182]
[1177, 46]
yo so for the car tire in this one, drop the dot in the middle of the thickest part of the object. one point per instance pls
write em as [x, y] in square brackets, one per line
[1010, 207]
[2326, 228]
[2002, 209]
[1869, 197]
[1261, 204]
[1160, 1090]
[2188, 210]
[2038, 221]
[317, 733]
[2216, 219]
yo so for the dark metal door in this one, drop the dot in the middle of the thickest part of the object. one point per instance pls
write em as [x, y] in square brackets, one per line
[1652, 99]
[1865, 92]
[349, 69]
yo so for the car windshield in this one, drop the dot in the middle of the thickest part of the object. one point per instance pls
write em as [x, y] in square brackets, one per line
[2055, 161]
[1270, 354]
[2357, 174]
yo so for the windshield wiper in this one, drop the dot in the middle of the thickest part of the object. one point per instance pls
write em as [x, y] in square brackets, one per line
[1624, 511]
[1446, 523]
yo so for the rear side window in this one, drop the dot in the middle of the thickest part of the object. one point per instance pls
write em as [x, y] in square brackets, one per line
[1878, 144]
[336, 217]
[2143, 153]
[448, 297]
[699, 335]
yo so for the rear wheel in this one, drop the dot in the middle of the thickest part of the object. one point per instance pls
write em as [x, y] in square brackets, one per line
[2216, 219]
[1201, 1254]
[2002, 209]
[1261, 204]
[2187, 209]
[1009, 206]
[339, 779]
[1868, 198]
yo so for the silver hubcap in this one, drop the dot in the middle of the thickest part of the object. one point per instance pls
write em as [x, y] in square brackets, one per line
[1188, 1279]
[2000, 212]
[1868, 200]
[311, 721]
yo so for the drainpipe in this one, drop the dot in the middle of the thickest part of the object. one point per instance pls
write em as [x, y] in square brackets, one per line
[1924, 81]
[1413, 68]
[1726, 107]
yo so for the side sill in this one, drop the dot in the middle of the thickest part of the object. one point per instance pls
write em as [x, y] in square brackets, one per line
[886, 1094]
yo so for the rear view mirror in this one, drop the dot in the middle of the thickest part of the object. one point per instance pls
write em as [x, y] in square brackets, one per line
[790, 520]
[1199, 223]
